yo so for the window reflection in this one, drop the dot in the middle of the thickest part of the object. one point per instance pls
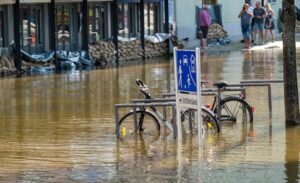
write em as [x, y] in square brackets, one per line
[152, 18]
[68, 24]
[31, 39]
[1, 29]
[98, 22]
[128, 22]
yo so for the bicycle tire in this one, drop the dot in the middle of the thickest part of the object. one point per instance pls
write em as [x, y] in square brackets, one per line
[235, 109]
[209, 120]
[150, 127]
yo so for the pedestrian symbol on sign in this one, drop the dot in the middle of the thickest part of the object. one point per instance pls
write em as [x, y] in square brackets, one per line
[186, 71]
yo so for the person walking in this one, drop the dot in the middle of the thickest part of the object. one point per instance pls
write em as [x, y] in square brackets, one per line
[269, 23]
[259, 15]
[205, 22]
[246, 16]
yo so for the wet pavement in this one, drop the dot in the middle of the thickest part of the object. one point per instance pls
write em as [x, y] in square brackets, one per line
[60, 128]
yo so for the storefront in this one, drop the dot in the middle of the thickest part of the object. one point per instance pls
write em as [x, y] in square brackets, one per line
[68, 25]
[153, 17]
[99, 21]
[128, 18]
[6, 27]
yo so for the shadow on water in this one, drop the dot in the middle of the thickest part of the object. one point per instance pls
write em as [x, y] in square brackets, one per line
[60, 127]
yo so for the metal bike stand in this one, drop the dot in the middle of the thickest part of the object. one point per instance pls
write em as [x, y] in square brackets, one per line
[268, 85]
[134, 106]
[190, 121]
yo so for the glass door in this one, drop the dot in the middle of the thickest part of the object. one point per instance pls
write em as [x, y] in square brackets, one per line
[31, 29]
[67, 27]
[98, 21]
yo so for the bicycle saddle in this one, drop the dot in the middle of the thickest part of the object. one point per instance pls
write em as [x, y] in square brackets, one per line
[221, 84]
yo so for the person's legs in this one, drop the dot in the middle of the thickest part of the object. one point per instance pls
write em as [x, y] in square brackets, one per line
[266, 35]
[273, 35]
[261, 31]
[204, 38]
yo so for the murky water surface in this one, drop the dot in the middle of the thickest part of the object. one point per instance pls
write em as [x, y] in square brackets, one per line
[60, 128]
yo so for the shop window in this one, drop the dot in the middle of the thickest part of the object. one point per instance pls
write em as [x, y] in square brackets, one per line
[128, 23]
[31, 29]
[98, 22]
[68, 24]
[2, 39]
[152, 18]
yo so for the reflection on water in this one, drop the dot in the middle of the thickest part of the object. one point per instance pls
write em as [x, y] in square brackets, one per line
[60, 128]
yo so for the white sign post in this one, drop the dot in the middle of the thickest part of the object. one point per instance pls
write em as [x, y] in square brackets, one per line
[188, 87]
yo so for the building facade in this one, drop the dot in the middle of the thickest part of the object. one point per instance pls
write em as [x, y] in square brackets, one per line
[42, 25]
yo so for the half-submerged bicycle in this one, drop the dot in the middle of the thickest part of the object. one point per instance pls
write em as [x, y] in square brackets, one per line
[232, 108]
[149, 119]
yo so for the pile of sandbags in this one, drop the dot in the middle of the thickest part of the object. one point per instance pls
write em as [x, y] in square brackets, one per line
[102, 51]
[155, 49]
[130, 50]
[7, 64]
[215, 31]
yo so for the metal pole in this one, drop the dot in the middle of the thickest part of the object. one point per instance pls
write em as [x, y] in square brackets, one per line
[117, 121]
[85, 32]
[270, 100]
[17, 35]
[174, 121]
[115, 28]
[135, 119]
[52, 25]
[190, 121]
[142, 24]
[167, 24]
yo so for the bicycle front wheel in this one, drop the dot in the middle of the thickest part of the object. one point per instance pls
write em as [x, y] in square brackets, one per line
[235, 109]
[147, 125]
[209, 120]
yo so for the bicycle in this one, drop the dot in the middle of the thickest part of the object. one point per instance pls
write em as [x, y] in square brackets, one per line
[233, 108]
[148, 121]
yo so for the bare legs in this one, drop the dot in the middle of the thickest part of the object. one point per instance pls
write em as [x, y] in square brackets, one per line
[267, 31]
[204, 43]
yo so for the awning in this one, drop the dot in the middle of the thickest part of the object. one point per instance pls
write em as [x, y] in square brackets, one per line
[100, 0]
[34, 1]
[68, 1]
[128, 1]
[137, 1]
[7, 1]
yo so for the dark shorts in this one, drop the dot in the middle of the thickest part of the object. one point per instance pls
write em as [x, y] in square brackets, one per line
[246, 31]
[269, 25]
[204, 30]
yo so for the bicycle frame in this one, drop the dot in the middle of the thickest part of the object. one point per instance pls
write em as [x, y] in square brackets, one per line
[145, 91]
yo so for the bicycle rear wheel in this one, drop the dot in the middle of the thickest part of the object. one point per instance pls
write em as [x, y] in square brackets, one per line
[235, 109]
[147, 125]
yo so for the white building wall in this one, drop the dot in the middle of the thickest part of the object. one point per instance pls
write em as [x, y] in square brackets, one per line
[185, 18]
[230, 12]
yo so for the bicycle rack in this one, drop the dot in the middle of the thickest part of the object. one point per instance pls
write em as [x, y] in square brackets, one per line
[134, 106]
[266, 83]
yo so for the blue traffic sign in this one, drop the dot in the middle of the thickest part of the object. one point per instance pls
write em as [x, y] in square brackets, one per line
[186, 71]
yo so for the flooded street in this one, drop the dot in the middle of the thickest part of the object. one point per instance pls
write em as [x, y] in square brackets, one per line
[61, 128]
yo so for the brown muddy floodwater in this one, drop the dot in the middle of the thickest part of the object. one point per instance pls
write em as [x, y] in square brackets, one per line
[60, 128]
